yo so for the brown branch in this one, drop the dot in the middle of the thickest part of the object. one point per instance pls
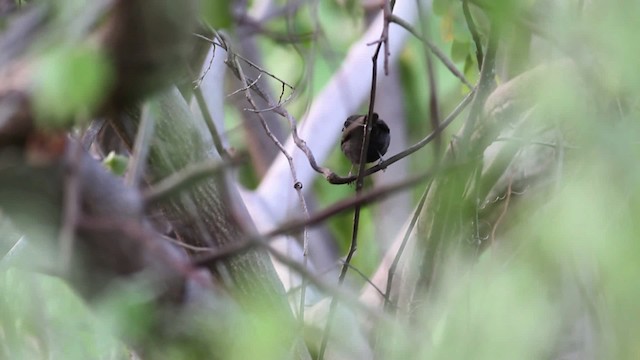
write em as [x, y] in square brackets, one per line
[364, 198]
[353, 246]
[297, 184]
[279, 109]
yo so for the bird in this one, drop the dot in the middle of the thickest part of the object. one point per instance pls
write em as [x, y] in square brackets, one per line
[353, 136]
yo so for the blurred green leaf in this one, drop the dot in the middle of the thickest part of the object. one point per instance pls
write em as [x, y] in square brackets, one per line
[471, 71]
[70, 82]
[460, 50]
[128, 309]
[499, 314]
[115, 163]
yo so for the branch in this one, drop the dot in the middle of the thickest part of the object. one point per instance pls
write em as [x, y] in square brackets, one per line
[297, 184]
[290, 227]
[485, 86]
[434, 49]
[184, 179]
[474, 32]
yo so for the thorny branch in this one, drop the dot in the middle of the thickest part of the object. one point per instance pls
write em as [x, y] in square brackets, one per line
[277, 107]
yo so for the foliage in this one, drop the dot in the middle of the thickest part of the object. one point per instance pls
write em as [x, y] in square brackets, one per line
[526, 245]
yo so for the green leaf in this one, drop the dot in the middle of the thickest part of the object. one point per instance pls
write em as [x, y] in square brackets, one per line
[460, 50]
[70, 82]
[471, 71]
[115, 163]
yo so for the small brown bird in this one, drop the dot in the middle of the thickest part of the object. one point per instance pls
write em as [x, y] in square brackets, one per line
[353, 135]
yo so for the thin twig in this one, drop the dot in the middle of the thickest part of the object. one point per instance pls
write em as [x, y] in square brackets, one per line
[359, 179]
[386, 11]
[405, 240]
[485, 86]
[92, 132]
[539, 143]
[257, 28]
[255, 87]
[182, 179]
[185, 245]
[474, 32]
[314, 219]
[502, 214]
[437, 52]
[244, 88]
[396, 260]
[276, 107]
[334, 291]
[141, 148]
[14, 254]
[198, 82]
[208, 120]
[434, 110]
[297, 184]
[365, 278]
[225, 45]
